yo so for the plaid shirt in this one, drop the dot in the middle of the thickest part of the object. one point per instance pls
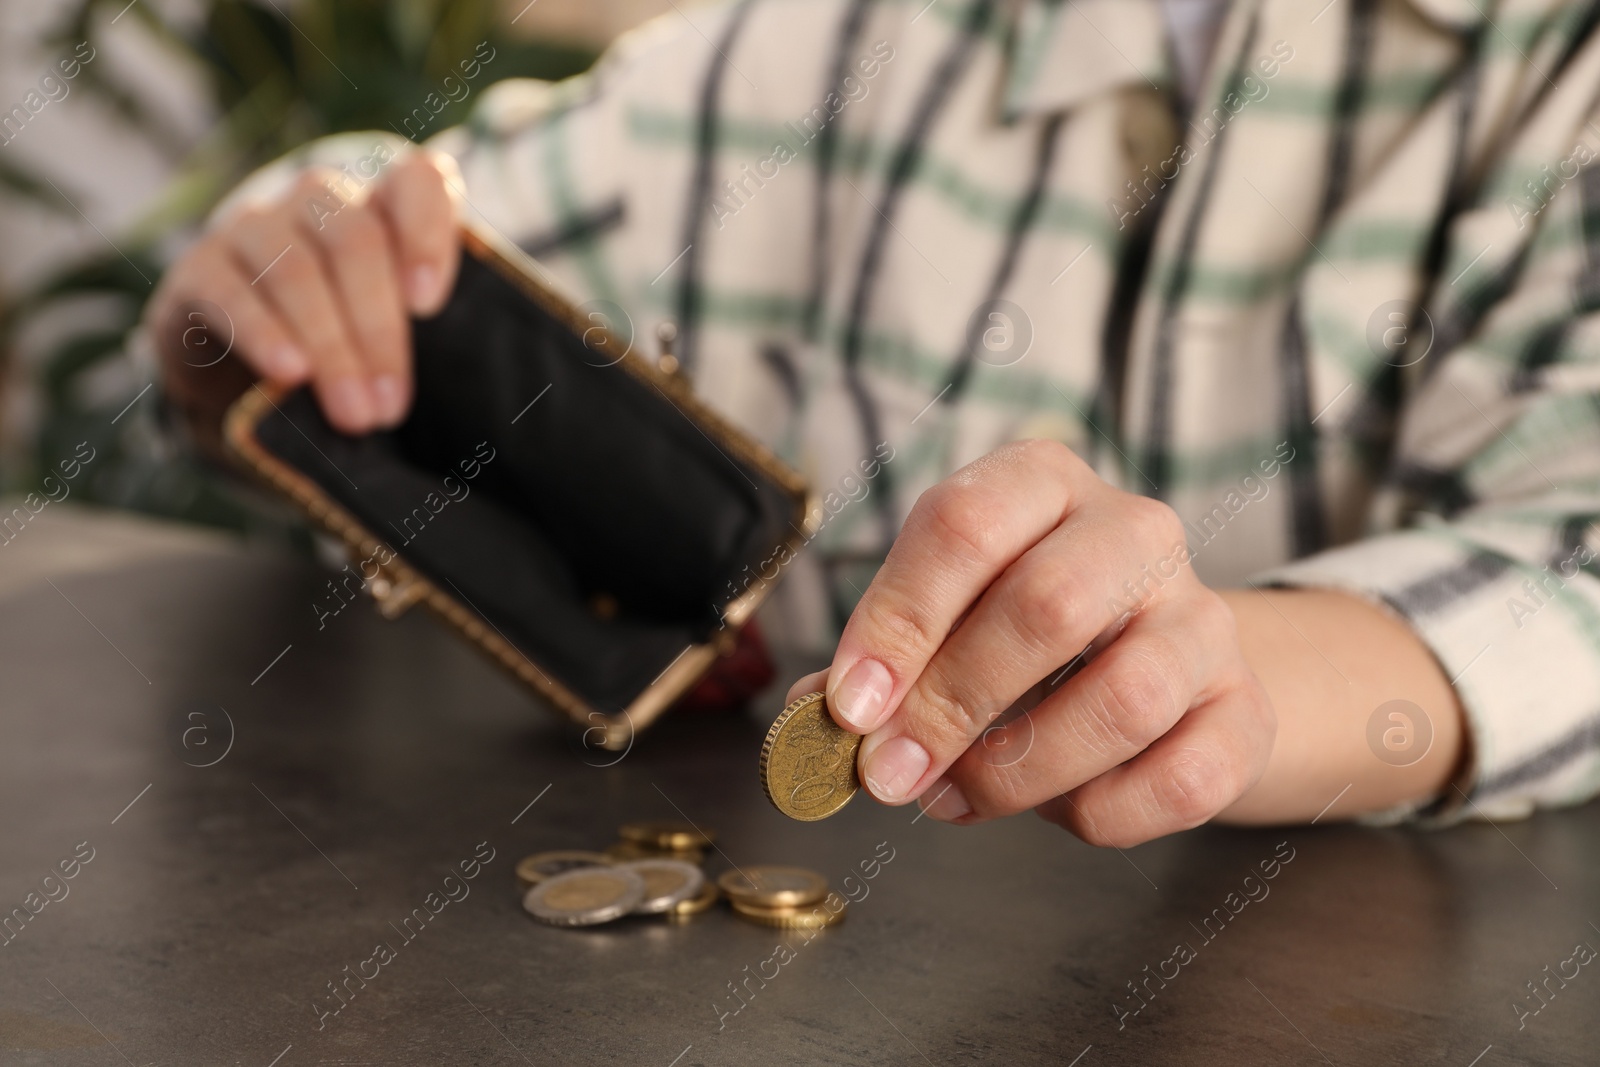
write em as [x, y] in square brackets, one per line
[1339, 315]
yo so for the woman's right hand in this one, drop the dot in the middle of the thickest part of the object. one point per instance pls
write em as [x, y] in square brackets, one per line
[320, 287]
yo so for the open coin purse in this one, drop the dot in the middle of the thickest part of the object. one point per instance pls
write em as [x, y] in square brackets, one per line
[558, 498]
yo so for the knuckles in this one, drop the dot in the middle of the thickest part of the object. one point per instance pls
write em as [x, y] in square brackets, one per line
[1046, 455]
[994, 792]
[416, 179]
[1047, 609]
[248, 229]
[968, 517]
[416, 167]
[962, 519]
[354, 231]
[296, 269]
[1077, 824]
[898, 627]
[1192, 790]
[1136, 704]
[314, 189]
[1074, 817]
[942, 722]
[1154, 520]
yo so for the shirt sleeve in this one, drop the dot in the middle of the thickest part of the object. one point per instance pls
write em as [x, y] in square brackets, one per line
[1496, 491]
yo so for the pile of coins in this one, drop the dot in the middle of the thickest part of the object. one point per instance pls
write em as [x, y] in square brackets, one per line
[655, 870]
[790, 897]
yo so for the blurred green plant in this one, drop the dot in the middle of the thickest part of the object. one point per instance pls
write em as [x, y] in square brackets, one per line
[279, 73]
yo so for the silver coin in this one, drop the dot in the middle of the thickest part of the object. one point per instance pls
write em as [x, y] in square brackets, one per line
[666, 883]
[585, 897]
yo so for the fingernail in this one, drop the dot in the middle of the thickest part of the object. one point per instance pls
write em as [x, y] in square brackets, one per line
[388, 398]
[348, 406]
[862, 695]
[289, 363]
[943, 801]
[893, 768]
[422, 289]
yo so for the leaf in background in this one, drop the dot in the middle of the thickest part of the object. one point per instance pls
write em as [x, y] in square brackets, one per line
[72, 357]
[21, 181]
[280, 72]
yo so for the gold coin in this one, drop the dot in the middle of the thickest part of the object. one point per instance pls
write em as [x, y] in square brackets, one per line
[774, 887]
[665, 835]
[623, 851]
[627, 851]
[812, 918]
[808, 763]
[585, 897]
[531, 870]
[701, 902]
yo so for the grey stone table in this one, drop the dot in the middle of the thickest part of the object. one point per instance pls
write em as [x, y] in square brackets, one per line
[249, 806]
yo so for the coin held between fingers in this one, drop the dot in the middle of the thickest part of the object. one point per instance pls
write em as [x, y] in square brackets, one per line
[808, 761]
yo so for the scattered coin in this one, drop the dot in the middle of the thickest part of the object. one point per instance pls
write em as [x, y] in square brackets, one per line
[531, 870]
[808, 762]
[625, 851]
[665, 835]
[666, 883]
[804, 918]
[585, 897]
[773, 887]
[702, 901]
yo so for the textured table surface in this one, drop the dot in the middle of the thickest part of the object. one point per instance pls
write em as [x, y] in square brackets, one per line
[354, 768]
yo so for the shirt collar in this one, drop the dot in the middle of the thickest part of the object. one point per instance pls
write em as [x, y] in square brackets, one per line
[1457, 15]
[1064, 52]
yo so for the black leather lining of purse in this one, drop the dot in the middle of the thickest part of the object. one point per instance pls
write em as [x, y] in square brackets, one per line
[563, 501]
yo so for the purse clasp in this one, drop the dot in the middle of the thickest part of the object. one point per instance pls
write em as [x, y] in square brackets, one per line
[393, 598]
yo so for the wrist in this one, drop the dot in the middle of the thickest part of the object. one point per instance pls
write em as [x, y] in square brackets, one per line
[1367, 719]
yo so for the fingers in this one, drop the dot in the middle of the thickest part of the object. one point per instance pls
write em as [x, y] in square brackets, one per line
[358, 251]
[285, 265]
[1210, 759]
[331, 263]
[421, 216]
[253, 328]
[1176, 655]
[958, 538]
[1037, 616]
[320, 285]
